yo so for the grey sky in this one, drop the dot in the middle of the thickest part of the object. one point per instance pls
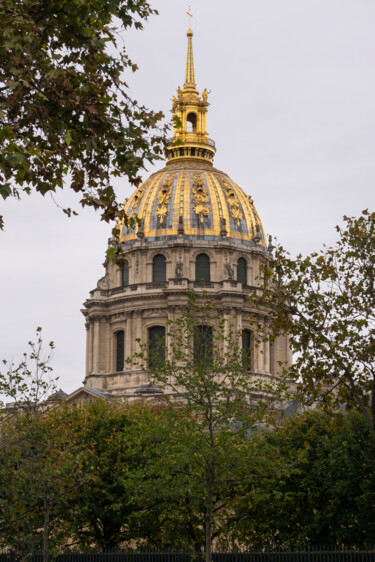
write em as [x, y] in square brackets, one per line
[292, 113]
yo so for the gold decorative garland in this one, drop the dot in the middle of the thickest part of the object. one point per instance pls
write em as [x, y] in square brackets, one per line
[233, 202]
[164, 195]
[138, 196]
[200, 197]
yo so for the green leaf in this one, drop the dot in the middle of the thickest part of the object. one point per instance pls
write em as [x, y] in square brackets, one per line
[111, 253]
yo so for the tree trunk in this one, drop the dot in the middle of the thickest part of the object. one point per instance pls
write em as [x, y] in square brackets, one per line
[46, 523]
[373, 404]
[208, 530]
[210, 489]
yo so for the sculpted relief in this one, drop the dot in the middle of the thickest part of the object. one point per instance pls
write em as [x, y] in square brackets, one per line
[164, 195]
[233, 201]
[200, 197]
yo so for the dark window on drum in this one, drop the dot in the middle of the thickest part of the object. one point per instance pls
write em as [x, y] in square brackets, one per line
[120, 350]
[202, 268]
[125, 275]
[156, 355]
[203, 345]
[246, 349]
[241, 271]
[159, 269]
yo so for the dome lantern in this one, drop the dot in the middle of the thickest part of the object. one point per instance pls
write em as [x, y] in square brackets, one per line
[190, 138]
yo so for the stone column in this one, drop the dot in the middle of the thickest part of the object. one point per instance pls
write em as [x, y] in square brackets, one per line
[137, 334]
[168, 339]
[238, 324]
[96, 345]
[226, 315]
[259, 355]
[289, 354]
[128, 337]
[266, 351]
[272, 358]
[88, 349]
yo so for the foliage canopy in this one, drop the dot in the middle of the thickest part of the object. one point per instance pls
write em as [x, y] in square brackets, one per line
[65, 113]
[326, 303]
[326, 496]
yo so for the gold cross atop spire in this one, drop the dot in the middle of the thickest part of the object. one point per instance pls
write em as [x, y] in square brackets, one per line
[189, 73]
[190, 16]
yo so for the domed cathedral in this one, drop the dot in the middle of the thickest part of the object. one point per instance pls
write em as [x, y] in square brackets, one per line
[197, 230]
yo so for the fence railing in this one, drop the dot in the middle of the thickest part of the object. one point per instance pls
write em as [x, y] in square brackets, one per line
[311, 553]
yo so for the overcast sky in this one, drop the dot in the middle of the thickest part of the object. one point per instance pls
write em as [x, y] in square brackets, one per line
[292, 114]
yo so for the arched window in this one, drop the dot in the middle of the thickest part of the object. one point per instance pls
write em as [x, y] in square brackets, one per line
[120, 350]
[156, 346]
[159, 269]
[202, 268]
[203, 345]
[241, 271]
[125, 275]
[191, 123]
[246, 349]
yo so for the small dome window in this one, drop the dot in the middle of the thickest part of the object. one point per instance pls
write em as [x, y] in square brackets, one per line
[191, 123]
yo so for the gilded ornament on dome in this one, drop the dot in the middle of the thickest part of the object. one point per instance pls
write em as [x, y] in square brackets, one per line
[233, 202]
[164, 195]
[200, 197]
[237, 215]
[137, 197]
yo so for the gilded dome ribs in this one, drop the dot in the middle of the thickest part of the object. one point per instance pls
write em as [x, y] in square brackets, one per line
[202, 196]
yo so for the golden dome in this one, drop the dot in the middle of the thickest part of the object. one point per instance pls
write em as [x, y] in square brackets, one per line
[189, 196]
[193, 198]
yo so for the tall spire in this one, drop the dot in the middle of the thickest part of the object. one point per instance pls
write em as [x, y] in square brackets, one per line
[190, 136]
[189, 73]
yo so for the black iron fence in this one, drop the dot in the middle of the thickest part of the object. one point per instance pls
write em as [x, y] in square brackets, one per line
[297, 554]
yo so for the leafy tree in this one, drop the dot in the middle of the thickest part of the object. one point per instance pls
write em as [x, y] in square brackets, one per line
[31, 382]
[65, 112]
[180, 480]
[116, 444]
[223, 404]
[328, 495]
[34, 452]
[75, 477]
[326, 303]
[37, 464]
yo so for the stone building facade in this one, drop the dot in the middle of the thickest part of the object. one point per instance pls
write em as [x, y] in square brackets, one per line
[198, 230]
